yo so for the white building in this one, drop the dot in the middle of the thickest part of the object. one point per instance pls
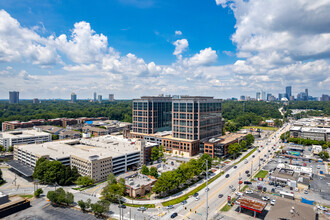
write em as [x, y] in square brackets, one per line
[11, 138]
[95, 157]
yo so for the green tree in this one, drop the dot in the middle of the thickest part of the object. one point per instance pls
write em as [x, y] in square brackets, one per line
[2, 181]
[154, 154]
[161, 151]
[55, 137]
[278, 123]
[111, 179]
[38, 192]
[85, 181]
[11, 149]
[153, 172]
[100, 207]
[145, 170]
[230, 126]
[249, 139]
[243, 145]
[324, 155]
[60, 197]
[82, 205]
[202, 164]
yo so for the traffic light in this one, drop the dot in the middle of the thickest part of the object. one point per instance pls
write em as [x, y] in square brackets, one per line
[190, 209]
[185, 208]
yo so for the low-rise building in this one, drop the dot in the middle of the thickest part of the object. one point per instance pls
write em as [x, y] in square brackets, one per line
[316, 149]
[95, 157]
[139, 185]
[218, 146]
[270, 123]
[319, 134]
[11, 138]
[69, 134]
[181, 147]
[95, 130]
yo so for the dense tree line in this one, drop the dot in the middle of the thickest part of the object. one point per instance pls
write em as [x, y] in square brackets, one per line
[51, 172]
[235, 149]
[59, 196]
[114, 189]
[176, 179]
[26, 110]
[315, 105]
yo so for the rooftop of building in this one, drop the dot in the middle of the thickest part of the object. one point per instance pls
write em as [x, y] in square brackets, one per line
[23, 133]
[50, 129]
[178, 139]
[251, 203]
[137, 180]
[103, 147]
[97, 129]
[286, 174]
[226, 139]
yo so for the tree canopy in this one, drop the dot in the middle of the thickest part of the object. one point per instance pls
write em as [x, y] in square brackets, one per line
[85, 181]
[59, 196]
[114, 190]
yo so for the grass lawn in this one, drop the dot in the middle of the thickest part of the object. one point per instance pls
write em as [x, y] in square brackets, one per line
[246, 156]
[186, 196]
[139, 205]
[261, 174]
[244, 188]
[226, 208]
[262, 128]
[26, 196]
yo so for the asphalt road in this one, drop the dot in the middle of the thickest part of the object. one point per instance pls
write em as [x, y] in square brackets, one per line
[221, 185]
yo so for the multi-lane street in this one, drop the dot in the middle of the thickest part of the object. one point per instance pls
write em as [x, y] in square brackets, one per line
[197, 209]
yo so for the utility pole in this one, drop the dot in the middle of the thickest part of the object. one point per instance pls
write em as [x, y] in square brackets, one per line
[207, 191]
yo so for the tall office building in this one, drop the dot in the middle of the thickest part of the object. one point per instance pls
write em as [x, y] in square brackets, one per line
[73, 97]
[152, 114]
[288, 92]
[111, 97]
[196, 117]
[94, 100]
[35, 101]
[306, 92]
[263, 95]
[13, 97]
[258, 96]
[99, 98]
[280, 96]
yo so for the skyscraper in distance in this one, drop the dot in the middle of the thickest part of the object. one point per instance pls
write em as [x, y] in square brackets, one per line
[14, 97]
[111, 97]
[94, 100]
[99, 98]
[73, 97]
[288, 92]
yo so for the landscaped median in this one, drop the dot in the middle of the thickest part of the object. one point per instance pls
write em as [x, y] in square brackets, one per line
[246, 156]
[186, 196]
[139, 205]
[261, 174]
[226, 207]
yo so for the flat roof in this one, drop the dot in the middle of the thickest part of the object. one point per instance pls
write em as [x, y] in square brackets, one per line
[50, 128]
[21, 168]
[225, 139]
[103, 147]
[251, 203]
[137, 180]
[23, 134]
[178, 139]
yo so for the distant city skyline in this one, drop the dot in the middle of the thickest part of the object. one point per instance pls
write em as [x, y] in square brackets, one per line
[204, 48]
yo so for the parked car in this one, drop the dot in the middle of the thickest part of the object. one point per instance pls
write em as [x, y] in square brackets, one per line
[247, 182]
[272, 202]
[253, 156]
[220, 195]
[265, 198]
[141, 208]
[197, 198]
[249, 192]
[248, 175]
[245, 161]
[233, 189]
[305, 192]
[231, 186]
[174, 215]
[170, 207]
[227, 175]
[238, 193]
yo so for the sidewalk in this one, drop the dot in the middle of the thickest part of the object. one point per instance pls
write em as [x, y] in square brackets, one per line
[185, 191]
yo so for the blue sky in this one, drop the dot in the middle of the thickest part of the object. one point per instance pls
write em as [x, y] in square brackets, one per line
[131, 47]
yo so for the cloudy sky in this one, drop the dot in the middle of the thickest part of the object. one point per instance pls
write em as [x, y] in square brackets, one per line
[49, 49]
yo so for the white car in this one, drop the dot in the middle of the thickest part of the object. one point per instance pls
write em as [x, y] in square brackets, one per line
[238, 193]
[197, 198]
[265, 198]
[273, 202]
[249, 192]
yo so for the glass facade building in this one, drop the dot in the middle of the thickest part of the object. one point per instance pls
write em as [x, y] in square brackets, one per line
[152, 114]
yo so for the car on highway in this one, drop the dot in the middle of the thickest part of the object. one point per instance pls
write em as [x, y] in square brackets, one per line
[207, 189]
[245, 161]
[184, 202]
[272, 202]
[197, 198]
[305, 192]
[231, 186]
[174, 215]
[233, 189]
[122, 206]
[238, 193]
[247, 182]
[249, 192]
[248, 175]
[220, 195]
[196, 195]
[170, 207]
[246, 171]
[227, 175]
[259, 151]
[235, 167]
[141, 208]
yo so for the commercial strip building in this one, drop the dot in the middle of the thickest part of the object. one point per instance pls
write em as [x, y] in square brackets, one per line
[95, 157]
[11, 138]
[247, 202]
[319, 134]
